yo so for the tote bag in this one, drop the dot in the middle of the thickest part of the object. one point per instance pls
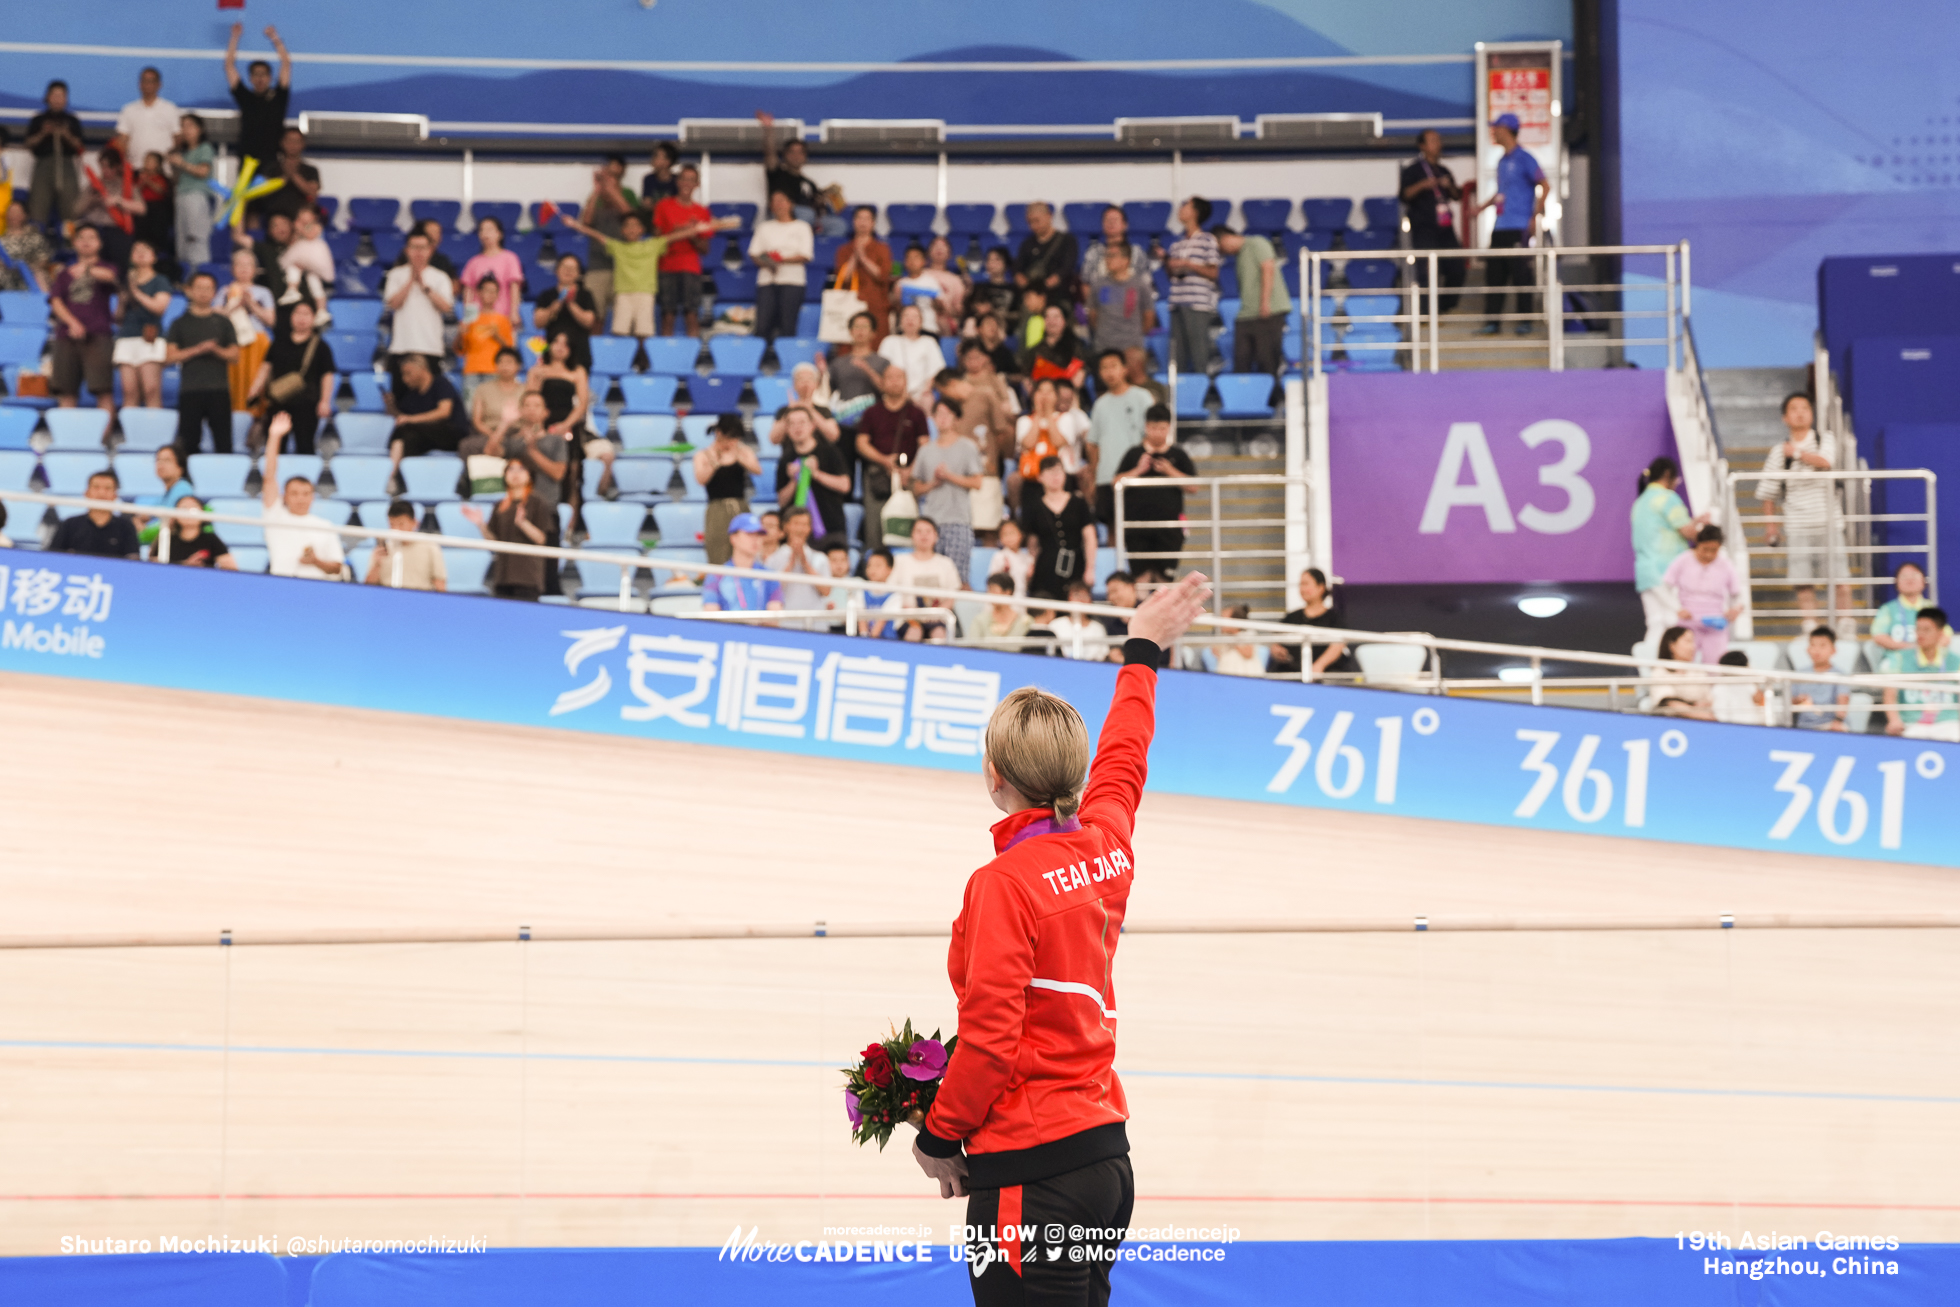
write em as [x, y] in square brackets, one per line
[839, 307]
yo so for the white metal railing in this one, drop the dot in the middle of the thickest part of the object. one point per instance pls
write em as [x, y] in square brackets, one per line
[1213, 524]
[1420, 343]
[1228, 630]
[1704, 465]
[1847, 537]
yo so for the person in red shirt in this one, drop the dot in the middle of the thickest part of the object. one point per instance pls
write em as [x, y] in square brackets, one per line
[1031, 1090]
[680, 266]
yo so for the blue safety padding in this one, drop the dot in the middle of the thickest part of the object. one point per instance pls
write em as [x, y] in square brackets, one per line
[153, 1280]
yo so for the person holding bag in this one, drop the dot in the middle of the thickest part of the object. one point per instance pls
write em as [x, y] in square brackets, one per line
[297, 378]
[889, 435]
[1038, 436]
[865, 262]
[252, 312]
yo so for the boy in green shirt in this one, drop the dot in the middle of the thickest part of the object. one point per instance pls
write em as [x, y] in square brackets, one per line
[636, 266]
[1931, 713]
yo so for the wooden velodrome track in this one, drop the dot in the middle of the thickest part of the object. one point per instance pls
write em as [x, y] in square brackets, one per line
[1291, 1086]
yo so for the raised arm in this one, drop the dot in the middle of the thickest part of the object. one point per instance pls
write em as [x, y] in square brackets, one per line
[285, 56]
[1117, 775]
[275, 436]
[231, 55]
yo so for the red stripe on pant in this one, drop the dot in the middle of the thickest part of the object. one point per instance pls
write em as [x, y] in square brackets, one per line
[1007, 1224]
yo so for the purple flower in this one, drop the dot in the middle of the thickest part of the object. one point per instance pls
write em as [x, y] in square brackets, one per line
[851, 1109]
[925, 1060]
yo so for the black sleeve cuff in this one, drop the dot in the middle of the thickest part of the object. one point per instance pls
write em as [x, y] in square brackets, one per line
[933, 1146]
[1144, 652]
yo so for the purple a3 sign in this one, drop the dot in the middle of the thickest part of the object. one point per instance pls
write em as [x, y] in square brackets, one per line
[1490, 476]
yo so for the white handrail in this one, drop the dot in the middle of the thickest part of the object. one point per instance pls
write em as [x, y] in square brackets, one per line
[1285, 632]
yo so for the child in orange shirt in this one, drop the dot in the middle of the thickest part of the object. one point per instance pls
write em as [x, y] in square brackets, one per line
[482, 336]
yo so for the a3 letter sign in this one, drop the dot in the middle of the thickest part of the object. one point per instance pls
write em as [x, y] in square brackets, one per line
[1485, 490]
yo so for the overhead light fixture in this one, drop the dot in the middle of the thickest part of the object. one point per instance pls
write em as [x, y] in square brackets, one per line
[1542, 605]
[1516, 675]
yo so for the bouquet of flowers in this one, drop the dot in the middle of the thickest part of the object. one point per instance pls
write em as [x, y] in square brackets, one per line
[895, 1080]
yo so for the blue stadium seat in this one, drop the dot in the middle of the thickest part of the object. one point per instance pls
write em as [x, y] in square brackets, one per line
[1266, 216]
[219, 474]
[387, 248]
[250, 558]
[17, 424]
[734, 285]
[808, 318]
[537, 219]
[1293, 347]
[1374, 239]
[430, 478]
[613, 524]
[22, 344]
[647, 394]
[612, 356]
[299, 465]
[1377, 359]
[77, 428]
[680, 525]
[599, 582]
[970, 220]
[697, 428]
[745, 212]
[365, 214]
[1191, 391]
[716, 394]
[644, 430]
[451, 522]
[345, 246]
[771, 393]
[672, 356]
[1221, 211]
[1084, 218]
[362, 281]
[1148, 217]
[528, 246]
[1245, 395]
[233, 533]
[355, 315]
[328, 205]
[16, 469]
[1327, 214]
[910, 220]
[443, 211]
[174, 310]
[460, 247]
[538, 278]
[368, 386]
[792, 350]
[1382, 213]
[353, 350]
[172, 379]
[737, 355]
[508, 212]
[361, 477]
[361, 433]
[373, 514]
[468, 569]
[336, 511]
[1371, 274]
[137, 473]
[570, 242]
[24, 308]
[241, 428]
[691, 489]
[1371, 306]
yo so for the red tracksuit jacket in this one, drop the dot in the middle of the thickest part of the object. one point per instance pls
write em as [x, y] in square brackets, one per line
[1031, 1088]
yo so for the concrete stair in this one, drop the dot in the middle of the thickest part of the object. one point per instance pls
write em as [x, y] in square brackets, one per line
[1260, 582]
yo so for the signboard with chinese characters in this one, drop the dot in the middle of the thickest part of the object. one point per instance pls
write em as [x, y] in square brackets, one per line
[1308, 746]
[1523, 79]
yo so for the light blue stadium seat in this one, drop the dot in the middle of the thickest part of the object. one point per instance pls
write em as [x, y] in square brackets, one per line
[642, 479]
[219, 474]
[771, 393]
[337, 511]
[232, 533]
[612, 356]
[691, 490]
[469, 569]
[353, 351]
[808, 319]
[644, 430]
[697, 428]
[1373, 306]
[241, 429]
[648, 394]
[673, 356]
[854, 521]
[77, 428]
[792, 350]
[1245, 395]
[16, 469]
[431, 479]
[148, 428]
[359, 557]
[300, 465]
[68, 470]
[1191, 396]
[1376, 359]
[23, 308]
[613, 524]
[451, 522]
[363, 433]
[765, 478]
[250, 558]
[369, 387]
[22, 344]
[360, 477]
[679, 525]
[355, 315]
[137, 472]
[737, 355]
[373, 514]
[599, 581]
[17, 424]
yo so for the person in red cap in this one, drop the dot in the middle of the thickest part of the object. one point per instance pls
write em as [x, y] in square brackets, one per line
[1030, 1115]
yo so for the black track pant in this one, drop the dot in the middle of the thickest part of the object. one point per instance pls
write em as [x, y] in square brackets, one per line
[1066, 1231]
[1499, 273]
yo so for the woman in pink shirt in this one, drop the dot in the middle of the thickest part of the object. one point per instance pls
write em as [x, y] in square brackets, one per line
[496, 261]
[1707, 593]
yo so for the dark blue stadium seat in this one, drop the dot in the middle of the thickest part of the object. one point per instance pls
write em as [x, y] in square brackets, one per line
[366, 280]
[1084, 218]
[1266, 216]
[1886, 295]
[745, 212]
[461, 247]
[1375, 238]
[1382, 212]
[526, 245]
[1148, 217]
[1326, 214]
[716, 394]
[1017, 221]
[1371, 274]
[365, 214]
[1221, 211]
[328, 206]
[970, 220]
[570, 242]
[808, 318]
[443, 211]
[734, 285]
[508, 212]
[1903, 379]
[345, 245]
[911, 220]
[387, 245]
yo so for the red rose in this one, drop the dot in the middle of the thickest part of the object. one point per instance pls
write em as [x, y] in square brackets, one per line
[878, 1065]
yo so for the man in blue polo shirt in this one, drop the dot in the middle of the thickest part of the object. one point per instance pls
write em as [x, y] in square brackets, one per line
[745, 594]
[1520, 199]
